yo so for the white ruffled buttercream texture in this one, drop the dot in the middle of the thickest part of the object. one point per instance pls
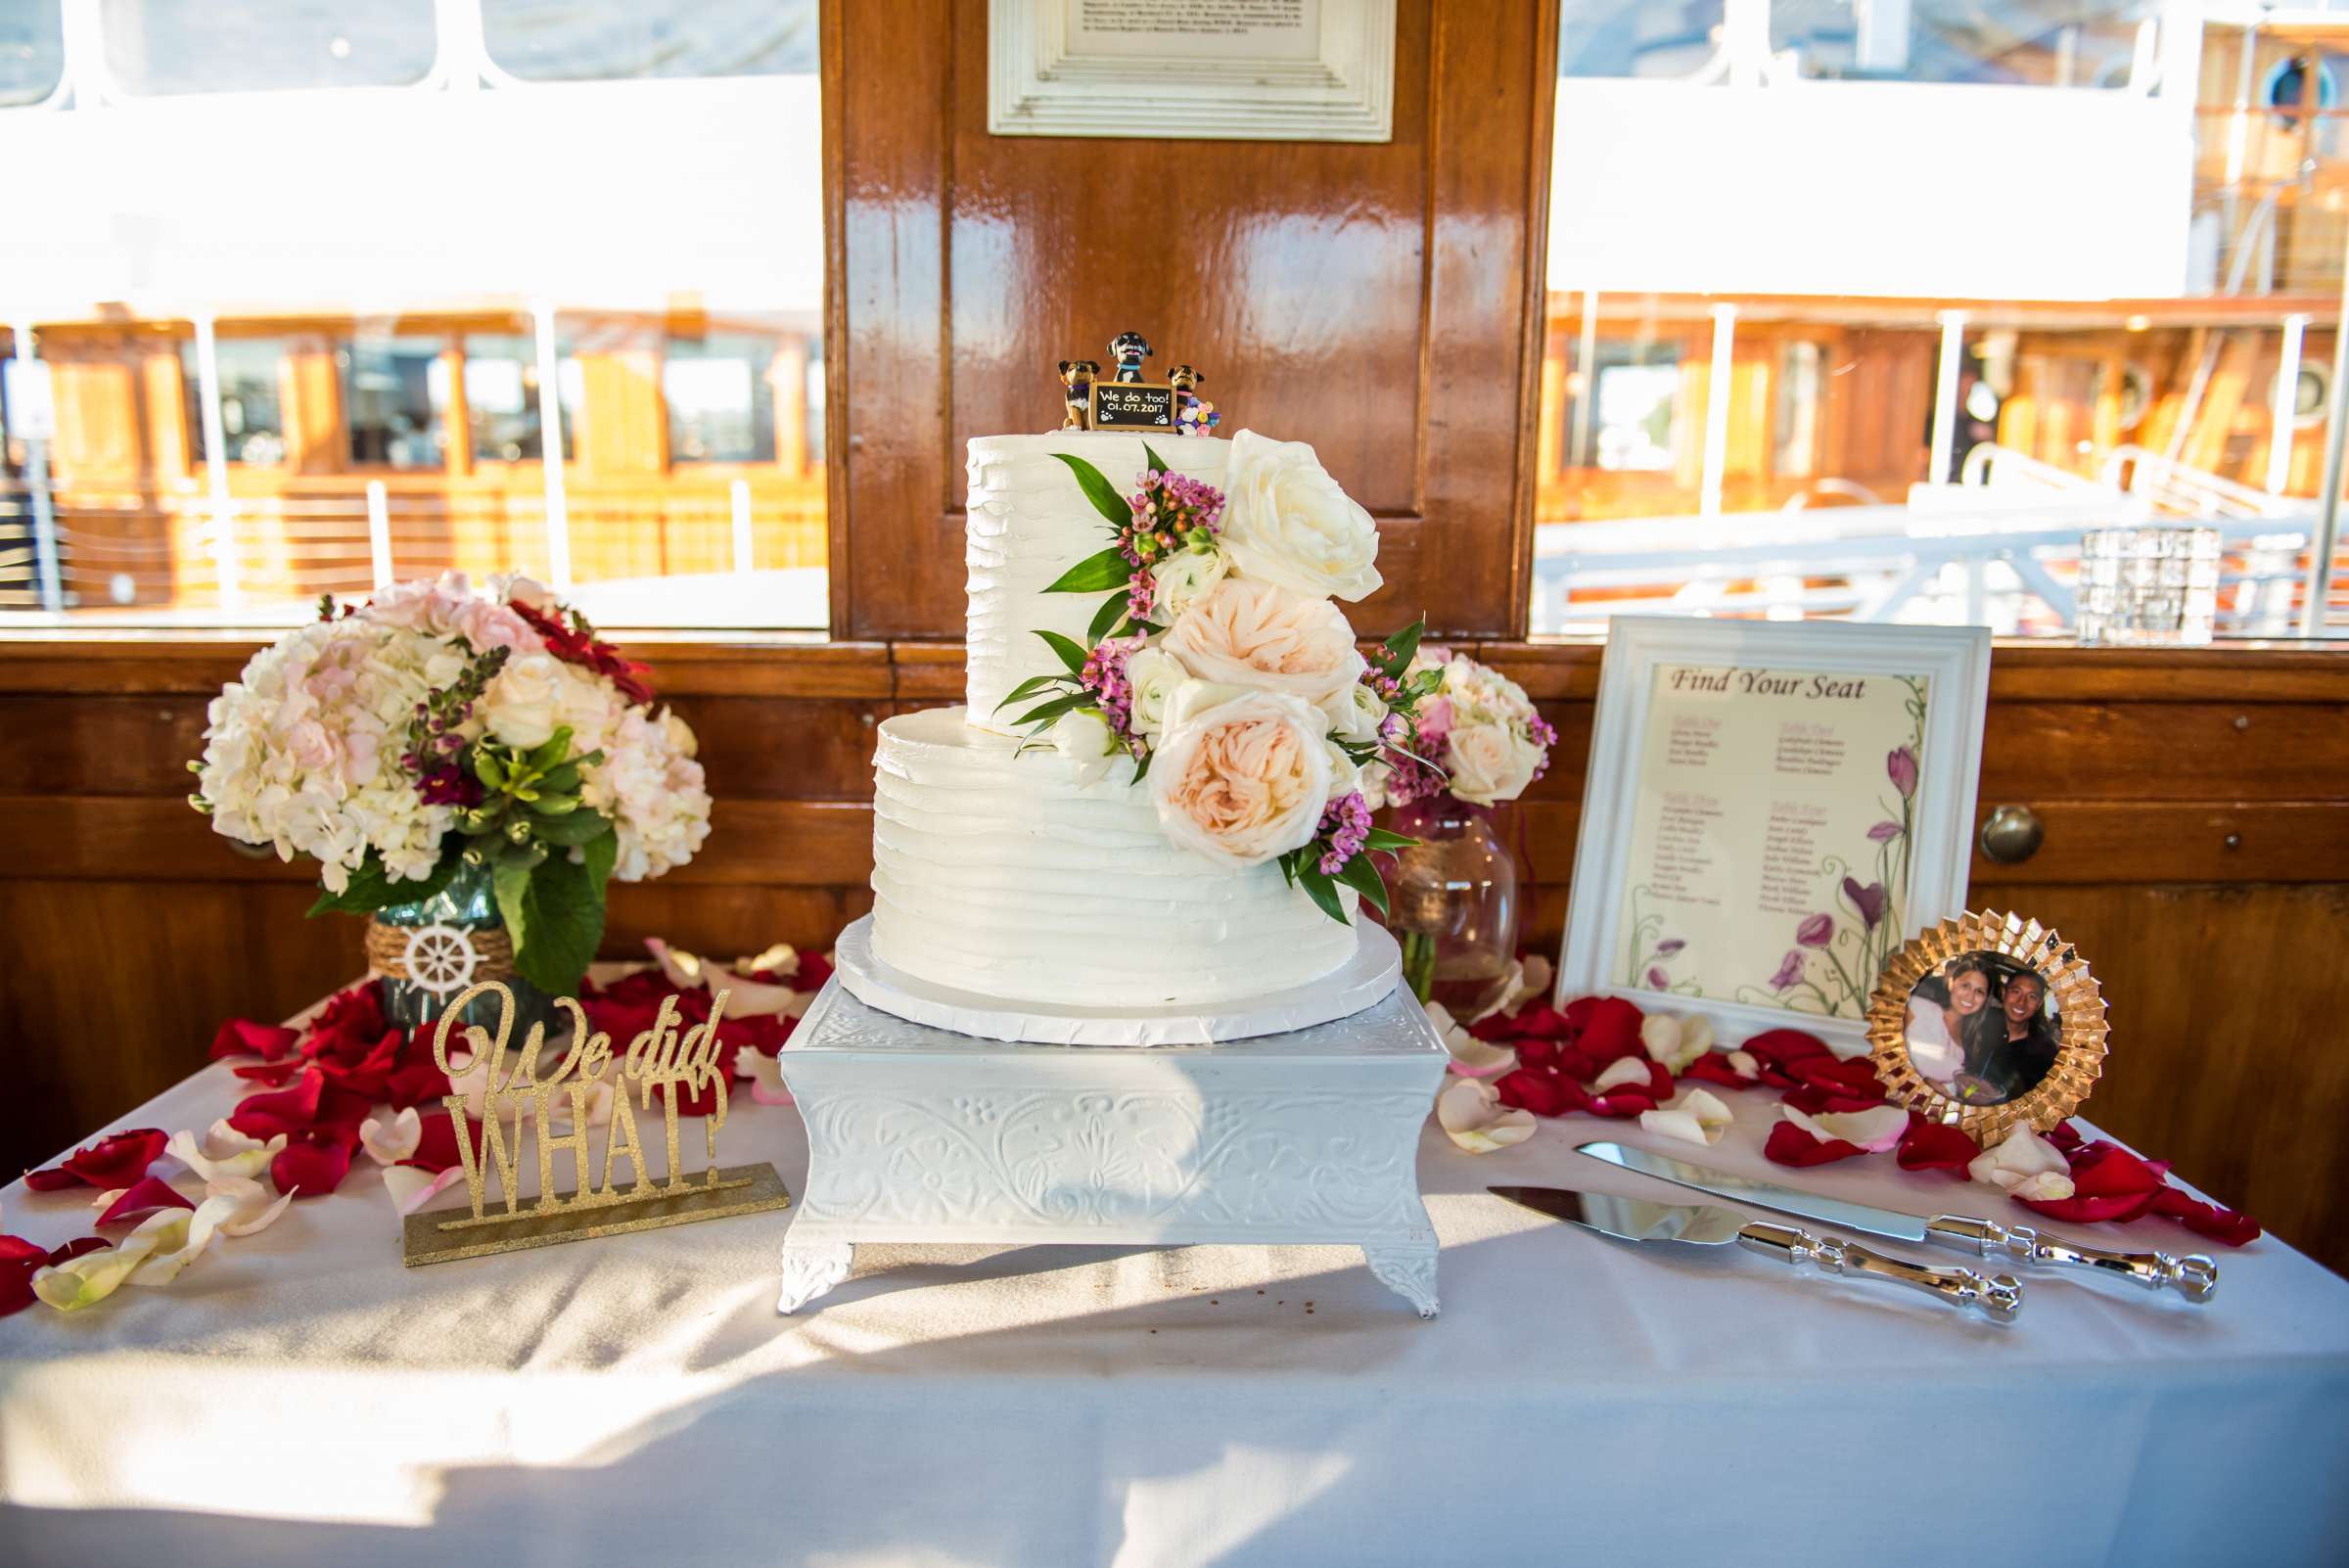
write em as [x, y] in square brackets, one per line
[1029, 523]
[1000, 873]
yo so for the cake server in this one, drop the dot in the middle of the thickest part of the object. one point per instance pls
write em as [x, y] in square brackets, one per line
[2193, 1276]
[1709, 1224]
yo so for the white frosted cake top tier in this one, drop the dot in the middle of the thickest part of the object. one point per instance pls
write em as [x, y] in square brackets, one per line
[1029, 521]
[1000, 873]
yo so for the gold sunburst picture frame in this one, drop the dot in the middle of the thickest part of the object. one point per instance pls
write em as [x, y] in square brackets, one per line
[2024, 943]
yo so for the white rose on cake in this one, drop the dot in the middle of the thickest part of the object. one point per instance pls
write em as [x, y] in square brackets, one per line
[1182, 580]
[1084, 739]
[1286, 521]
[1252, 633]
[1153, 673]
[1240, 775]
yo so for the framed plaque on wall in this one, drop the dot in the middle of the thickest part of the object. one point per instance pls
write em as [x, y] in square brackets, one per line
[1267, 70]
[1772, 810]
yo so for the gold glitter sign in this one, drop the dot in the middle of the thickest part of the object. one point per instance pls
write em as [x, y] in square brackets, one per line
[517, 1103]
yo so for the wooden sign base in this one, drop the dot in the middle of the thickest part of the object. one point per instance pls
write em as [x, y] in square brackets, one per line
[443, 1235]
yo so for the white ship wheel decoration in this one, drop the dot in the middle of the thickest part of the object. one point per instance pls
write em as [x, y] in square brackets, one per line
[439, 959]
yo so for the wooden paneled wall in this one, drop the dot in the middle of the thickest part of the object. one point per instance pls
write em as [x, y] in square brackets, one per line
[1382, 301]
[2197, 849]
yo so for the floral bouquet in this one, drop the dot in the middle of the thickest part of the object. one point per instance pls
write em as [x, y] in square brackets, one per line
[1480, 725]
[1219, 674]
[437, 733]
[1476, 741]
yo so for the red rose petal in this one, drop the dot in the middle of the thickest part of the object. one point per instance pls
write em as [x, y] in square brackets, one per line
[1783, 1045]
[310, 1169]
[436, 1142]
[19, 1260]
[814, 970]
[288, 1109]
[1936, 1146]
[270, 1075]
[241, 1036]
[79, 1246]
[115, 1161]
[1606, 1027]
[142, 1198]
[1541, 1022]
[1789, 1144]
[416, 1081]
[2224, 1225]
[1714, 1068]
[1538, 1089]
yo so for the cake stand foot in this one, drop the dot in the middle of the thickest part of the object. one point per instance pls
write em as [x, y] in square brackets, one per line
[1409, 1271]
[810, 1269]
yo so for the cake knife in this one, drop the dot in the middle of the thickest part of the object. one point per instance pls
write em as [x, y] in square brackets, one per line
[1710, 1224]
[2193, 1276]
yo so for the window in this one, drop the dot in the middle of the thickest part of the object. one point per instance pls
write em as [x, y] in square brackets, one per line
[162, 48]
[565, 40]
[1780, 283]
[387, 315]
[501, 397]
[395, 399]
[32, 51]
[720, 394]
[253, 420]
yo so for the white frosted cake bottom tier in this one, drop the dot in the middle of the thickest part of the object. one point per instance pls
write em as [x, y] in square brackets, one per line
[1002, 876]
[1365, 979]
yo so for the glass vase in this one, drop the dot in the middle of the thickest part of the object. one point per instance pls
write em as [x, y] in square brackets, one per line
[1453, 904]
[456, 924]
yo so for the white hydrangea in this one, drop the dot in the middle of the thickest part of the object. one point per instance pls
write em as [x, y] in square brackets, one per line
[651, 788]
[302, 752]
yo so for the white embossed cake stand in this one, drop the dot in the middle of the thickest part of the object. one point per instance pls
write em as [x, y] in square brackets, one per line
[920, 1135]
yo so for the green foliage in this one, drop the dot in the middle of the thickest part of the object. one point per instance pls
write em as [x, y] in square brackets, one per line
[1028, 688]
[1155, 462]
[1098, 491]
[372, 888]
[1106, 619]
[562, 914]
[1094, 574]
[1067, 650]
[1362, 877]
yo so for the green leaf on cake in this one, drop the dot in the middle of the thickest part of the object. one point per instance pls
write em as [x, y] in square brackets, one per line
[1322, 891]
[1026, 688]
[1105, 619]
[1051, 709]
[1155, 461]
[1093, 574]
[1065, 648]
[1098, 491]
[1360, 875]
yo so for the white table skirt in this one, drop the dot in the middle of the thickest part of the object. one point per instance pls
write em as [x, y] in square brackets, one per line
[300, 1398]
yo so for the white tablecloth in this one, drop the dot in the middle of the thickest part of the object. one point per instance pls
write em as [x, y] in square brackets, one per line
[300, 1398]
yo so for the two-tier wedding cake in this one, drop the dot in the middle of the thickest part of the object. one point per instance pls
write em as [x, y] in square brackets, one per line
[1153, 800]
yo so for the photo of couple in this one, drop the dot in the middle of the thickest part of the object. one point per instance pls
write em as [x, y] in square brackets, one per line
[1981, 1029]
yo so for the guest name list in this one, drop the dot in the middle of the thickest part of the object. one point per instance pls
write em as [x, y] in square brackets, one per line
[1757, 789]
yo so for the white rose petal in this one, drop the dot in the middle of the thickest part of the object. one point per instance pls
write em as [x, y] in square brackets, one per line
[2045, 1186]
[1873, 1130]
[224, 1152]
[1621, 1071]
[1675, 1040]
[390, 1142]
[1697, 1116]
[411, 1189]
[1472, 1116]
[1746, 1065]
[249, 1207]
[2016, 1158]
[1470, 1057]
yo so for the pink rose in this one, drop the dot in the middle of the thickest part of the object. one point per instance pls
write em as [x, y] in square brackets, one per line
[1252, 633]
[486, 625]
[1242, 781]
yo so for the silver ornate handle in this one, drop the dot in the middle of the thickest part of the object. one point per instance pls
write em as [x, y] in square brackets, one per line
[1998, 1294]
[2192, 1275]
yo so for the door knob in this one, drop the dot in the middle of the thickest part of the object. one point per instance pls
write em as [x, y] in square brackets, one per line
[2011, 835]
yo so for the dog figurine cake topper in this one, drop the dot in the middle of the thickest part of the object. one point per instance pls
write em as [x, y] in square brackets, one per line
[1125, 401]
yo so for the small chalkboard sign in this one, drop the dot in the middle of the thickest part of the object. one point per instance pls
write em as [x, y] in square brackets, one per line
[1133, 405]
